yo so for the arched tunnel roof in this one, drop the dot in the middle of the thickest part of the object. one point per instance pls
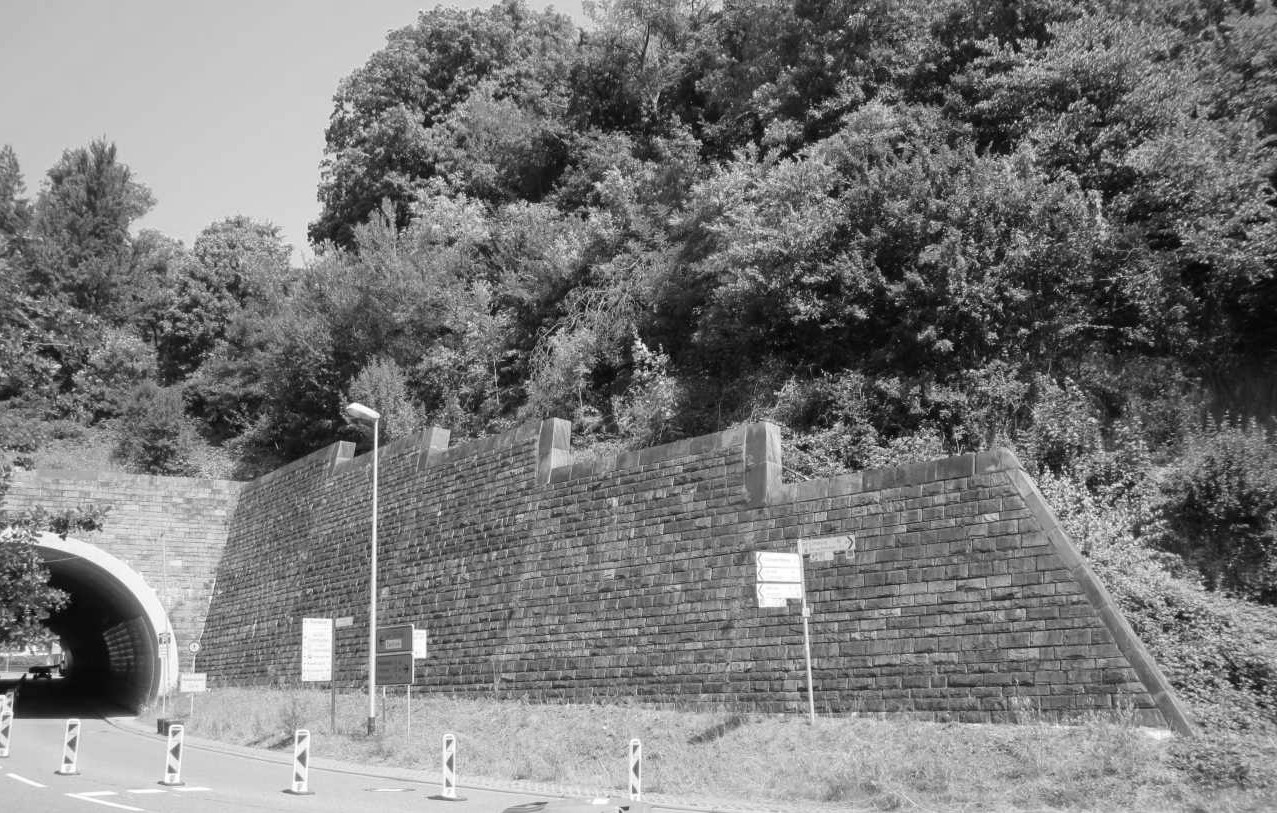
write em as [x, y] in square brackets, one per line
[111, 627]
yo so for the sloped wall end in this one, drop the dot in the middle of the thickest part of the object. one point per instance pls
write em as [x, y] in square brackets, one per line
[966, 600]
[1132, 648]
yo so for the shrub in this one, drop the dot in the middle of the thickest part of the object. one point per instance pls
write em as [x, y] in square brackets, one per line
[382, 385]
[21, 433]
[645, 413]
[1064, 429]
[155, 436]
[114, 368]
[1218, 653]
[1220, 508]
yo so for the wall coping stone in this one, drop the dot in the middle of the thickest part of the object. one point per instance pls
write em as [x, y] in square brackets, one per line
[100, 475]
[556, 463]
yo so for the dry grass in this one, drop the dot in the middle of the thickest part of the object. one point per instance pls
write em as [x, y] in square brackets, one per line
[762, 761]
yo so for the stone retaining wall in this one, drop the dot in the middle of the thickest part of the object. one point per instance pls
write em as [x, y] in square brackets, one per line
[633, 575]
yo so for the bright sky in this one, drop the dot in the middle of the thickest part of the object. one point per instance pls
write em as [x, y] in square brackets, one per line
[218, 107]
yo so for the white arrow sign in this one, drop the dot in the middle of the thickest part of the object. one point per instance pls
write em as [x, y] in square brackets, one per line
[779, 567]
[777, 591]
[826, 546]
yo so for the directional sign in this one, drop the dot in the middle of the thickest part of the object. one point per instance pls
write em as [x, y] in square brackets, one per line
[779, 567]
[771, 592]
[395, 670]
[393, 639]
[317, 649]
[825, 547]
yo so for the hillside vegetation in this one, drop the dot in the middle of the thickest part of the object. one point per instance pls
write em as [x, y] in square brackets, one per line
[898, 229]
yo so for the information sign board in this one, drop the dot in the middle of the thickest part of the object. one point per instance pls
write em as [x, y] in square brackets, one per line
[393, 639]
[395, 670]
[317, 649]
[777, 591]
[418, 643]
[778, 567]
[192, 682]
[825, 547]
[764, 601]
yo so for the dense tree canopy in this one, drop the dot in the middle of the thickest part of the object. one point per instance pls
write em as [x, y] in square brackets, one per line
[900, 229]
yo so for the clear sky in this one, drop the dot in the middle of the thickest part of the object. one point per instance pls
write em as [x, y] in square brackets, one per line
[219, 107]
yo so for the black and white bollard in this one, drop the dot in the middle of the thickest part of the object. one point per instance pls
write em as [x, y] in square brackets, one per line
[71, 749]
[301, 763]
[449, 792]
[173, 757]
[636, 770]
[6, 727]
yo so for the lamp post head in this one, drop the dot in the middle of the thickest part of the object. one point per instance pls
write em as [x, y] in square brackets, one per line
[359, 412]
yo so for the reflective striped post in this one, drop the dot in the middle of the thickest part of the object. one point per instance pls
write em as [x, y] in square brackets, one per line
[449, 792]
[301, 763]
[173, 756]
[71, 749]
[636, 770]
[6, 727]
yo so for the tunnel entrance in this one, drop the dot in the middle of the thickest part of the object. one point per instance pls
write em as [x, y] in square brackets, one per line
[110, 630]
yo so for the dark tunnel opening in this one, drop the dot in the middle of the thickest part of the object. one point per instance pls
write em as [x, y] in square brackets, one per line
[109, 633]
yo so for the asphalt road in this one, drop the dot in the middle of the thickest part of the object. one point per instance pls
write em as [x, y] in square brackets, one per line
[121, 766]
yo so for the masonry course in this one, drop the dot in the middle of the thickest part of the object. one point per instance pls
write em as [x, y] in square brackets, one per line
[543, 574]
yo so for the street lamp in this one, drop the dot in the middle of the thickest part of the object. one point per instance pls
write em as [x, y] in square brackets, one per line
[363, 414]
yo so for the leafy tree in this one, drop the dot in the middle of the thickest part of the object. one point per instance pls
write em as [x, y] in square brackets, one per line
[437, 94]
[81, 223]
[15, 210]
[235, 264]
[26, 598]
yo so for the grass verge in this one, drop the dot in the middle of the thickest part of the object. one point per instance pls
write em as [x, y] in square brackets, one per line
[768, 762]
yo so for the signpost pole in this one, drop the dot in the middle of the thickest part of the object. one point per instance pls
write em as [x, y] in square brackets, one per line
[194, 648]
[332, 685]
[811, 697]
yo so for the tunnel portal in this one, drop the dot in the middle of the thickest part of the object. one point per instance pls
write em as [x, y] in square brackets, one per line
[111, 628]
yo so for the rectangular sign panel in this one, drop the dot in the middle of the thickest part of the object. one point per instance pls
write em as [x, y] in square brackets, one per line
[397, 638]
[418, 643]
[192, 682]
[317, 649]
[829, 545]
[778, 567]
[777, 591]
[395, 670]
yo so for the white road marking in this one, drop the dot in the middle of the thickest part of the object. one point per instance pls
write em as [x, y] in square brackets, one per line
[184, 789]
[147, 790]
[23, 779]
[92, 796]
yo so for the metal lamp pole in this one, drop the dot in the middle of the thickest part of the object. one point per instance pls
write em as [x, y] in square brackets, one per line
[362, 413]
